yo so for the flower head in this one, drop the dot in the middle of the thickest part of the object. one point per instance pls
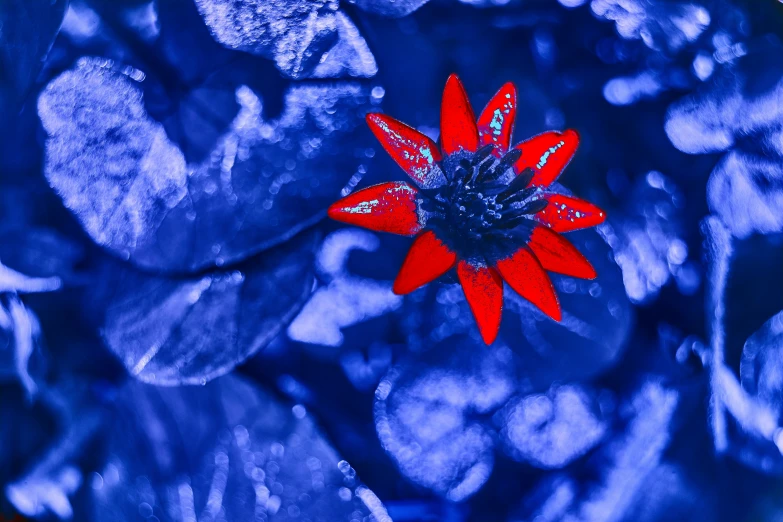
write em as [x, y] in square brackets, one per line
[478, 205]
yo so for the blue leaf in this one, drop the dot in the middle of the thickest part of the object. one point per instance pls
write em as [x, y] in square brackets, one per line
[228, 451]
[172, 331]
[39, 495]
[431, 415]
[695, 125]
[744, 189]
[551, 430]
[589, 340]
[760, 370]
[624, 482]
[134, 193]
[667, 26]
[596, 324]
[648, 240]
[347, 299]
[749, 427]
[390, 8]
[306, 38]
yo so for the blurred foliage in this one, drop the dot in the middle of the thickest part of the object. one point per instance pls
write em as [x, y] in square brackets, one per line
[184, 337]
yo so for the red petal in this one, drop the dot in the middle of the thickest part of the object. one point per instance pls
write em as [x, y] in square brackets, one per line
[564, 213]
[416, 153]
[387, 207]
[547, 154]
[524, 274]
[557, 254]
[427, 260]
[484, 291]
[497, 119]
[457, 122]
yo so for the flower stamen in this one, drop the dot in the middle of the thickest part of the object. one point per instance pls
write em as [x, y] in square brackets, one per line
[483, 210]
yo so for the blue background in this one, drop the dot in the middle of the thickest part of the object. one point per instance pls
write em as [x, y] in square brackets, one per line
[185, 337]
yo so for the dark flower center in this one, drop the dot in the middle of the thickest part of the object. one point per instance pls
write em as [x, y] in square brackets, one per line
[483, 212]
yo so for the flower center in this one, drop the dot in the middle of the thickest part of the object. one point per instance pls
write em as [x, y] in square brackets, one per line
[484, 212]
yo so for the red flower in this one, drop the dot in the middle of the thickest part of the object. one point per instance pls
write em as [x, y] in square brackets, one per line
[478, 206]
